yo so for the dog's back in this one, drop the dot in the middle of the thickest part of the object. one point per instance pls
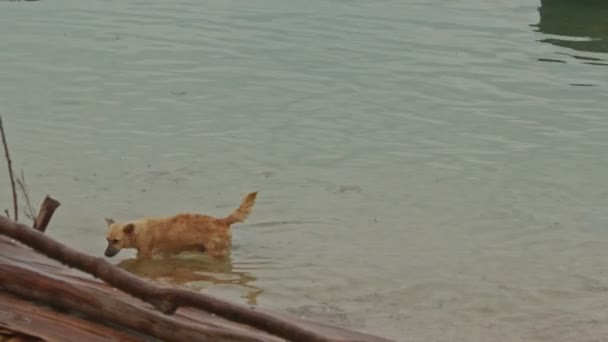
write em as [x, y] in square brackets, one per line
[195, 231]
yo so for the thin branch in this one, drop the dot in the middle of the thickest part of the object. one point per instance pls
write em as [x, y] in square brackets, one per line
[10, 171]
[166, 300]
[30, 212]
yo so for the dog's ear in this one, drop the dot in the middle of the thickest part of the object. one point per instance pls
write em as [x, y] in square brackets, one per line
[128, 229]
[109, 221]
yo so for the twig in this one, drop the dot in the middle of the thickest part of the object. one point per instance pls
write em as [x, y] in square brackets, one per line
[10, 171]
[166, 300]
[30, 213]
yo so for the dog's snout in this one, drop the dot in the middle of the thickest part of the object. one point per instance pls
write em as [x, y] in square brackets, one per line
[111, 251]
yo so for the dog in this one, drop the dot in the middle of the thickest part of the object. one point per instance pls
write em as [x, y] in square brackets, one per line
[182, 232]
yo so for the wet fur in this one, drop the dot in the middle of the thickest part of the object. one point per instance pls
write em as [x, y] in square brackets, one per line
[172, 235]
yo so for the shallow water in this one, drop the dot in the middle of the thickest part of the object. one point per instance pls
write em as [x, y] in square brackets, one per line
[428, 171]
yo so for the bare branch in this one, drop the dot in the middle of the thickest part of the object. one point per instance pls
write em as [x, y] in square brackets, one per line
[30, 212]
[10, 171]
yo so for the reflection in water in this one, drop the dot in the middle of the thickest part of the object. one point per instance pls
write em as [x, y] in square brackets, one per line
[192, 271]
[582, 25]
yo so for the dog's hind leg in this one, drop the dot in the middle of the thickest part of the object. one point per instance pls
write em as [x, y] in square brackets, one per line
[218, 252]
[218, 248]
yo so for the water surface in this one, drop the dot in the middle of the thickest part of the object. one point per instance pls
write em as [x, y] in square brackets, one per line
[428, 170]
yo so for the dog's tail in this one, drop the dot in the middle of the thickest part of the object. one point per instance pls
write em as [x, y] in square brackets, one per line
[241, 213]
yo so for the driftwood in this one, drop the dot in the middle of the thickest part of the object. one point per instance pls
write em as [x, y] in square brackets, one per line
[47, 208]
[39, 287]
[18, 258]
[50, 325]
[167, 300]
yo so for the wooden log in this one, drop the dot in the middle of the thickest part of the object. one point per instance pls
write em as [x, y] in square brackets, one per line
[167, 300]
[7, 335]
[33, 285]
[51, 325]
[12, 253]
[47, 209]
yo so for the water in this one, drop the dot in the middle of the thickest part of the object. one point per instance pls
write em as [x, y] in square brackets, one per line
[428, 171]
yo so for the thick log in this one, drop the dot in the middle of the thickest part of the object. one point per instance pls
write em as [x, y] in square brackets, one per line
[47, 209]
[8, 335]
[33, 285]
[51, 325]
[12, 253]
[167, 300]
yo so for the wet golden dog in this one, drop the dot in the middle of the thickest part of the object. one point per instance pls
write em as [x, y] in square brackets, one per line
[172, 235]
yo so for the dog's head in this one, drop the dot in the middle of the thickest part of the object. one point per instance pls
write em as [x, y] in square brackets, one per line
[120, 235]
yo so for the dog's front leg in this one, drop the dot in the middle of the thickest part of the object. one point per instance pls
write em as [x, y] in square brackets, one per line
[144, 253]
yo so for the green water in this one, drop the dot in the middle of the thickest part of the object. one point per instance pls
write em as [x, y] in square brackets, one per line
[428, 170]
